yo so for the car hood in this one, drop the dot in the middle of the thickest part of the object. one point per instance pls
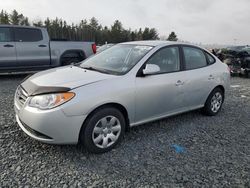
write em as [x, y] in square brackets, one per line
[61, 79]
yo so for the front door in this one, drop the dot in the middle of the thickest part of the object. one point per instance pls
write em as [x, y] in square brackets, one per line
[160, 94]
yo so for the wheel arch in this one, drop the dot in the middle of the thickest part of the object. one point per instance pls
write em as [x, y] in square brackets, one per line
[218, 86]
[72, 51]
[118, 106]
[207, 105]
[221, 87]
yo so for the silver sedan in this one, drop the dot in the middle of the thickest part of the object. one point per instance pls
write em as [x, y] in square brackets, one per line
[129, 84]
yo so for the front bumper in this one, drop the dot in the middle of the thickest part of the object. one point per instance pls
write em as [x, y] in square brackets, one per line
[49, 126]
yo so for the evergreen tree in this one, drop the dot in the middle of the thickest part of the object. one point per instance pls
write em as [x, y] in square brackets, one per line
[14, 18]
[153, 34]
[133, 36]
[139, 35]
[84, 30]
[172, 37]
[145, 34]
[4, 17]
[25, 21]
[117, 32]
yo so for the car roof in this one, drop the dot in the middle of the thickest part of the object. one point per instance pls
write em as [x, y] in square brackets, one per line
[156, 43]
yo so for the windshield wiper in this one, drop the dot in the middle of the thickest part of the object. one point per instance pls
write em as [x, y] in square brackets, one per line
[89, 68]
[96, 69]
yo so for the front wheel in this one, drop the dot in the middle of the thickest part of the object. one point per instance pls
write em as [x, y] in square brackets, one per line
[214, 102]
[103, 130]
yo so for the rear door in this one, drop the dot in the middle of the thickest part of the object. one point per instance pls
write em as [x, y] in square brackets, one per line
[199, 76]
[7, 48]
[32, 49]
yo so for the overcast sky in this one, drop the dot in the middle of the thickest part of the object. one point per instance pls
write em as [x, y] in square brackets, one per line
[206, 21]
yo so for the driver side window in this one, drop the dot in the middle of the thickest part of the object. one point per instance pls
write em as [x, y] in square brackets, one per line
[167, 59]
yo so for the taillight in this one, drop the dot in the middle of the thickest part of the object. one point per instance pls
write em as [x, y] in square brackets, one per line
[94, 48]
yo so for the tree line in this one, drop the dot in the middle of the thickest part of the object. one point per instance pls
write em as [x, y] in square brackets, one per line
[85, 30]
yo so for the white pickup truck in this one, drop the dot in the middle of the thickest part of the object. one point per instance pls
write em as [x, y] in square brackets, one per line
[29, 49]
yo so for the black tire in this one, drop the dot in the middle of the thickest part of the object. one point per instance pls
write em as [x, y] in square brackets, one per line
[207, 109]
[86, 135]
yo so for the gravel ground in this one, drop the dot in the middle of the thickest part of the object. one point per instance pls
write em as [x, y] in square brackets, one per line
[188, 150]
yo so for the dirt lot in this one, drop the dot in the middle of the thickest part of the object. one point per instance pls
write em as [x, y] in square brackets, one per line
[188, 150]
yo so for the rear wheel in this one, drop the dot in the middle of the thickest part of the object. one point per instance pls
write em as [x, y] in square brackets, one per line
[104, 129]
[214, 102]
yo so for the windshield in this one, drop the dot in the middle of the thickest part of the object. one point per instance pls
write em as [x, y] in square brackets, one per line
[118, 59]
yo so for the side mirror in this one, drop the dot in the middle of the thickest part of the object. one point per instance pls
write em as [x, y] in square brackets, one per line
[151, 69]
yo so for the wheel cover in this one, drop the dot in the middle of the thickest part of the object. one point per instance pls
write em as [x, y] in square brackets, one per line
[216, 102]
[106, 131]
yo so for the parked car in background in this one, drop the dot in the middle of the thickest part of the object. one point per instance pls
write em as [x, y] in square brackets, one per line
[245, 62]
[30, 49]
[126, 85]
[238, 60]
[104, 47]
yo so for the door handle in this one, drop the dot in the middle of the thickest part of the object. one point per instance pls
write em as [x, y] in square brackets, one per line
[179, 82]
[42, 45]
[8, 46]
[210, 77]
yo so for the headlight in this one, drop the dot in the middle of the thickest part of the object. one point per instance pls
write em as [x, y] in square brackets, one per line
[49, 101]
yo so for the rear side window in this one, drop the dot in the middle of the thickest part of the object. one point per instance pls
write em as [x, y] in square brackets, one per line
[5, 35]
[210, 59]
[194, 58]
[28, 35]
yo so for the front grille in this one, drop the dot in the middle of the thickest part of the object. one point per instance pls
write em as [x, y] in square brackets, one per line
[21, 96]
